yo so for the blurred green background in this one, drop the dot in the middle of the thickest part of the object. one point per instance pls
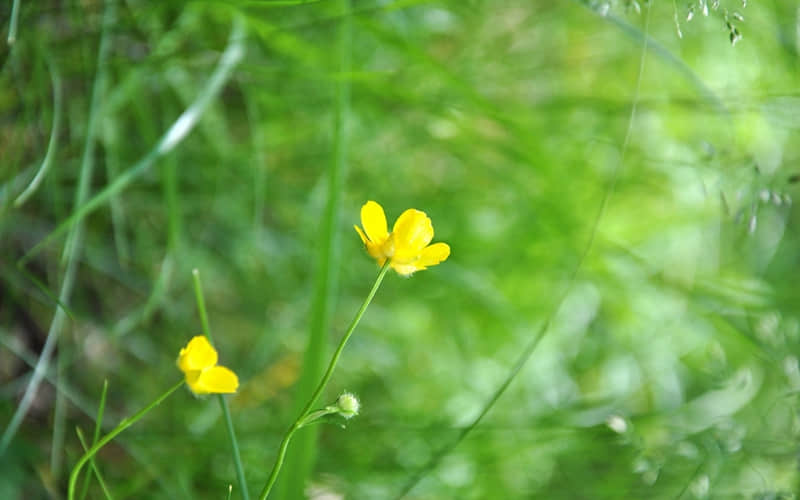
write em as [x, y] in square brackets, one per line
[615, 180]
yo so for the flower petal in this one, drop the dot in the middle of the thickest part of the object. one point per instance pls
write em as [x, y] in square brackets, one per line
[361, 234]
[197, 355]
[434, 254]
[214, 380]
[412, 232]
[404, 269]
[374, 221]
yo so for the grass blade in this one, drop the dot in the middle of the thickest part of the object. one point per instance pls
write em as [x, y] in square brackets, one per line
[300, 457]
[530, 348]
[51, 145]
[233, 54]
[74, 241]
[94, 468]
[97, 427]
[12, 26]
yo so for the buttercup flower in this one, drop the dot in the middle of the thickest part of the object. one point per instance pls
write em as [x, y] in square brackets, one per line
[198, 361]
[407, 246]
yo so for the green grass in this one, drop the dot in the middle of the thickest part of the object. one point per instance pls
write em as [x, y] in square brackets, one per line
[617, 319]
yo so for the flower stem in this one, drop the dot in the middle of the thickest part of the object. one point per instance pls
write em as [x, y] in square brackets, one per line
[126, 422]
[223, 403]
[322, 384]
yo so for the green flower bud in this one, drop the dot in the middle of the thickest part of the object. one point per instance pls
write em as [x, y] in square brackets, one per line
[348, 405]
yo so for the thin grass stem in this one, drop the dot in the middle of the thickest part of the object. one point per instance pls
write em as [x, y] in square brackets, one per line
[531, 346]
[230, 58]
[59, 412]
[55, 81]
[93, 467]
[300, 460]
[74, 242]
[12, 25]
[97, 428]
[124, 424]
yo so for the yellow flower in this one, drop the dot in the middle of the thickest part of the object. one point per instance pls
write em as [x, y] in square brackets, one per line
[198, 361]
[406, 246]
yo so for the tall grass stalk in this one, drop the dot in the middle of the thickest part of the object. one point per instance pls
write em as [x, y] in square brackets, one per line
[12, 25]
[185, 123]
[301, 459]
[124, 424]
[60, 411]
[58, 104]
[93, 467]
[74, 242]
[531, 346]
[98, 425]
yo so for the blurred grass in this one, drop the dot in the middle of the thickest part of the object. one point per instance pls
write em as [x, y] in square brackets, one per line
[505, 122]
[302, 454]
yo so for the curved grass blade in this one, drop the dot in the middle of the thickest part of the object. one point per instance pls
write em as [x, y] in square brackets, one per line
[55, 79]
[530, 348]
[93, 467]
[97, 427]
[75, 238]
[231, 57]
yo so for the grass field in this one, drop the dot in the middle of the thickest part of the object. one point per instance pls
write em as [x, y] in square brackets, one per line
[617, 318]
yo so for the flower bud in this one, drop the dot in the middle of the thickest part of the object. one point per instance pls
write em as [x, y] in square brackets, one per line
[348, 405]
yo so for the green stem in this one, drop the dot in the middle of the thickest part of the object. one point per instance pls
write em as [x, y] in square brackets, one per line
[74, 244]
[322, 384]
[97, 428]
[127, 422]
[223, 403]
[230, 58]
[93, 466]
[12, 28]
[201, 305]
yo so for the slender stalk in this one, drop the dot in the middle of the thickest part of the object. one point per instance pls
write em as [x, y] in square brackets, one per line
[127, 422]
[223, 403]
[531, 346]
[58, 103]
[201, 305]
[74, 243]
[237, 459]
[93, 466]
[12, 28]
[300, 460]
[97, 427]
[301, 420]
[230, 58]
[59, 412]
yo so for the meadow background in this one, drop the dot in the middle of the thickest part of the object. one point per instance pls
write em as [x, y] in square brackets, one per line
[617, 319]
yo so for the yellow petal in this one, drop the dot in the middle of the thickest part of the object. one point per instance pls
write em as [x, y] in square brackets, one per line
[432, 255]
[214, 380]
[191, 379]
[404, 269]
[361, 234]
[412, 232]
[374, 221]
[197, 355]
[377, 252]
